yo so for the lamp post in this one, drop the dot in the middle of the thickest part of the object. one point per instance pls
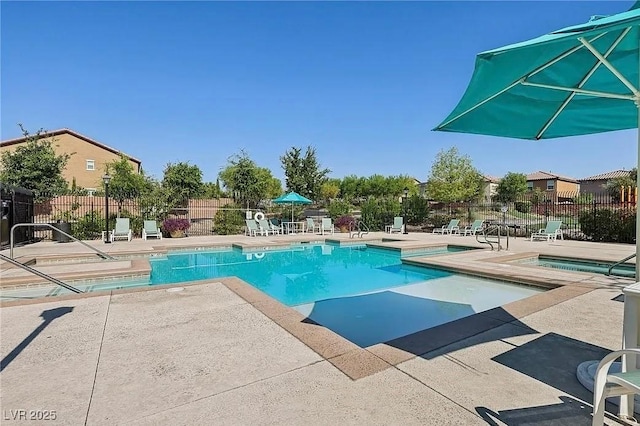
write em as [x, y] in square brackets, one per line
[106, 178]
[405, 192]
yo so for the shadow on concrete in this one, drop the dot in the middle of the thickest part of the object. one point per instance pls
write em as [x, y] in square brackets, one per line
[619, 298]
[429, 343]
[569, 412]
[553, 359]
[47, 317]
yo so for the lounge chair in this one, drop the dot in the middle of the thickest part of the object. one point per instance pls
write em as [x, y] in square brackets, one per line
[474, 227]
[451, 228]
[265, 226]
[326, 225]
[550, 233]
[398, 225]
[122, 230]
[252, 228]
[150, 229]
[614, 384]
[275, 226]
[312, 226]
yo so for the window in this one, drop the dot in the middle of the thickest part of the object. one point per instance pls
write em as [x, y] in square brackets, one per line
[529, 186]
[91, 165]
[551, 185]
[90, 191]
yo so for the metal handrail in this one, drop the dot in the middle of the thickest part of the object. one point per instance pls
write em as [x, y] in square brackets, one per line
[487, 232]
[631, 256]
[362, 229]
[18, 225]
[40, 274]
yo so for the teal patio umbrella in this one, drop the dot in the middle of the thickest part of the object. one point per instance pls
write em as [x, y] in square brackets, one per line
[292, 198]
[578, 80]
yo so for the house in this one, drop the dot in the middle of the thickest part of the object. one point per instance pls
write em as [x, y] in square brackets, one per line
[490, 187]
[556, 187]
[597, 184]
[88, 159]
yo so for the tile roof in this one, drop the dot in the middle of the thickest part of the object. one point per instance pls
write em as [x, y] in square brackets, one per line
[73, 133]
[492, 179]
[540, 175]
[609, 175]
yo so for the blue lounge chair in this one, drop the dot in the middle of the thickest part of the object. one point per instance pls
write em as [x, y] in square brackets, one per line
[451, 228]
[122, 230]
[150, 229]
[550, 233]
[398, 225]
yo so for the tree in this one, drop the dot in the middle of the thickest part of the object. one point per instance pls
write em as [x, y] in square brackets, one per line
[453, 178]
[125, 183]
[614, 186]
[330, 189]
[35, 166]
[303, 174]
[247, 182]
[183, 181]
[511, 186]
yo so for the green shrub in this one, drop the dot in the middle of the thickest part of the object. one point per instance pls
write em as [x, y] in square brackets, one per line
[338, 208]
[439, 220]
[89, 226]
[229, 221]
[378, 212]
[523, 206]
[417, 210]
[608, 225]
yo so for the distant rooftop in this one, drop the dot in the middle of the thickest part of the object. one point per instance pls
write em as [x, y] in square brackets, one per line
[609, 175]
[540, 175]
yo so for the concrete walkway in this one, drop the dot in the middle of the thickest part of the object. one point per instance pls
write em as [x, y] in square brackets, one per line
[201, 354]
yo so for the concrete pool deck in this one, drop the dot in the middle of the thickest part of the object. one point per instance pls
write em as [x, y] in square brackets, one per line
[220, 353]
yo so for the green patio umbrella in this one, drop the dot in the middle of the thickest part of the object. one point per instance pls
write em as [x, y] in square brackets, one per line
[292, 198]
[575, 81]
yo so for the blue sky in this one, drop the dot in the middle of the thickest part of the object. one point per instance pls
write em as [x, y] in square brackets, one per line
[363, 82]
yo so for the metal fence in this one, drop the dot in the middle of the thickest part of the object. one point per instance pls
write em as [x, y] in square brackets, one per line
[85, 214]
[596, 217]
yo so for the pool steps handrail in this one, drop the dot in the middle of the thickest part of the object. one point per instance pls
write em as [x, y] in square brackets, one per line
[48, 225]
[620, 262]
[361, 229]
[40, 274]
[487, 231]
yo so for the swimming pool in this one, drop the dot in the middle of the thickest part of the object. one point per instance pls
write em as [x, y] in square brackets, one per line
[592, 266]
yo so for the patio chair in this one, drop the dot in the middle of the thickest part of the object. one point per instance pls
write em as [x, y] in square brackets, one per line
[252, 228]
[122, 230]
[451, 228]
[275, 227]
[312, 226]
[266, 227]
[474, 227]
[326, 225]
[550, 233]
[398, 223]
[150, 229]
[614, 384]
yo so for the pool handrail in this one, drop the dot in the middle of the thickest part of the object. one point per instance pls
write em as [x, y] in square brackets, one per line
[40, 274]
[18, 225]
[620, 262]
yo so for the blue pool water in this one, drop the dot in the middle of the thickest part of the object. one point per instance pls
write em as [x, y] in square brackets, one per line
[298, 275]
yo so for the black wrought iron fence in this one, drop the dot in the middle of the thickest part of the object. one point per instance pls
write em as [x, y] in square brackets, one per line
[594, 217]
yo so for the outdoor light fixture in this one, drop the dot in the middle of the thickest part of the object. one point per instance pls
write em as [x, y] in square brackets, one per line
[404, 202]
[106, 179]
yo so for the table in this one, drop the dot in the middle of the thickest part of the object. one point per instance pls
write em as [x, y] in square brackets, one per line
[294, 227]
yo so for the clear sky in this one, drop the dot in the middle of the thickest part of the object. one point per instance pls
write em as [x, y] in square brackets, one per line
[363, 82]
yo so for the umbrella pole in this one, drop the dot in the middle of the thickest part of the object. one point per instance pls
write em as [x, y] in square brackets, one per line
[636, 201]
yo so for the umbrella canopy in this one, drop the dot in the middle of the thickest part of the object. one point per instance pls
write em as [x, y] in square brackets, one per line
[293, 198]
[575, 81]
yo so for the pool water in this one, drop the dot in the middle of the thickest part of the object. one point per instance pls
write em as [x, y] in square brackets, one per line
[623, 270]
